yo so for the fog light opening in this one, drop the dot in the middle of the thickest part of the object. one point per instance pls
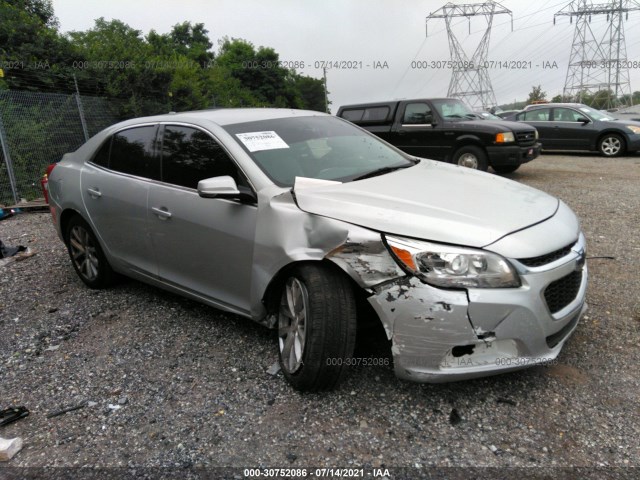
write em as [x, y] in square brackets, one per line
[462, 350]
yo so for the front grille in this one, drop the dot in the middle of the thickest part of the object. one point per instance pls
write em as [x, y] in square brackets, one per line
[547, 258]
[563, 291]
[526, 139]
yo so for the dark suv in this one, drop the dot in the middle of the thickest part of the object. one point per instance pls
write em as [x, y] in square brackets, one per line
[574, 126]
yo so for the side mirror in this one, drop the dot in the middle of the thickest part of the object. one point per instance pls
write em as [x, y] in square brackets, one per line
[584, 120]
[218, 187]
[225, 187]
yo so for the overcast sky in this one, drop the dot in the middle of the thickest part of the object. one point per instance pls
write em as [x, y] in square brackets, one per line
[371, 33]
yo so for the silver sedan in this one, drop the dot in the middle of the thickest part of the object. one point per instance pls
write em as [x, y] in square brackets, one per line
[297, 219]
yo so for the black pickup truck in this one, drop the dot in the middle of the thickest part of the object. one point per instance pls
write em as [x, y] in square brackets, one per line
[445, 129]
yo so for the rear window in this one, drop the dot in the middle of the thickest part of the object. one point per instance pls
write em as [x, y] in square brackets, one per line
[366, 115]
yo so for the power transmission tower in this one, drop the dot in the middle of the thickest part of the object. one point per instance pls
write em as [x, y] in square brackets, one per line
[470, 80]
[598, 67]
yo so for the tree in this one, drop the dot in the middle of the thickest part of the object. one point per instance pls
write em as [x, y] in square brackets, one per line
[536, 95]
[311, 92]
[29, 41]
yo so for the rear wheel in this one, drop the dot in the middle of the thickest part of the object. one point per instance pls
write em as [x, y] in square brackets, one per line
[316, 327]
[611, 145]
[505, 168]
[86, 255]
[471, 157]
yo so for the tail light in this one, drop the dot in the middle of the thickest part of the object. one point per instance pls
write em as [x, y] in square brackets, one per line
[44, 182]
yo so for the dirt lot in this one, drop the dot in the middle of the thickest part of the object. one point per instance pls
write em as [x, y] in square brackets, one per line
[171, 383]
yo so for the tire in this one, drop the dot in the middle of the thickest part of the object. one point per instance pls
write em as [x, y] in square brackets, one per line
[505, 168]
[86, 255]
[471, 157]
[316, 327]
[611, 145]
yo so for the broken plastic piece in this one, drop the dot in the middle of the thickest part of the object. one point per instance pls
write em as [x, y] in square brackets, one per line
[12, 414]
[68, 409]
[9, 447]
[274, 369]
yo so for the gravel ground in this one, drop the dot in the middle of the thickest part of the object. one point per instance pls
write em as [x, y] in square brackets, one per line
[172, 383]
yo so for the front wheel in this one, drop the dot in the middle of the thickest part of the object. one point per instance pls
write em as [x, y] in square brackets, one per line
[505, 168]
[316, 327]
[611, 145]
[86, 255]
[471, 157]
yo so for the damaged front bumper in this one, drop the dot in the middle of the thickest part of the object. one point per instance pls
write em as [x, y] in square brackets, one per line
[443, 335]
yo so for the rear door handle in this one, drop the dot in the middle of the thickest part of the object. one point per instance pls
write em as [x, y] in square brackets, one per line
[94, 192]
[162, 213]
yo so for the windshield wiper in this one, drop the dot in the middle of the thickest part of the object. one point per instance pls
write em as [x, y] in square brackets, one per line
[381, 171]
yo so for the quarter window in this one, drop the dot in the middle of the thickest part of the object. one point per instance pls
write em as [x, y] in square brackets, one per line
[190, 155]
[102, 155]
[133, 152]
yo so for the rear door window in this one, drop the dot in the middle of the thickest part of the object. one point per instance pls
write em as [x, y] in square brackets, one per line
[190, 155]
[541, 115]
[133, 152]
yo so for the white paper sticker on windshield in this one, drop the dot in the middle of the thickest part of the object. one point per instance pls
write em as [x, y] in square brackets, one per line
[256, 141]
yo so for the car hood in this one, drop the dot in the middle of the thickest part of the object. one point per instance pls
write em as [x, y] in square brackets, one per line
[432, 201]
[498, 125]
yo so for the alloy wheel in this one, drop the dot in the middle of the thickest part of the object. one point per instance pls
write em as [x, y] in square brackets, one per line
[83, 253]
[292, 324]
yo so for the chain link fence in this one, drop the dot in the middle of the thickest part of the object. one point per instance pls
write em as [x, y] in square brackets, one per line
[36, 129]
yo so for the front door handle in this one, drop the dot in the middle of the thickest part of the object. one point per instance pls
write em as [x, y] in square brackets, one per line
[94, 192]
[162, 213]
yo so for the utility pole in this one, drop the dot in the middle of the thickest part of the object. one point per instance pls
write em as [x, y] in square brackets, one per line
[326, 95]
[597, 65]
[470, 80]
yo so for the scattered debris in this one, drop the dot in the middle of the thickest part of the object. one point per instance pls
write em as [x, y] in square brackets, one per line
[12, 414]
[52, 348]
[274, 369]
[6, 251]
[114, 407]
[68, 409]
[9, 447]
[454, 417]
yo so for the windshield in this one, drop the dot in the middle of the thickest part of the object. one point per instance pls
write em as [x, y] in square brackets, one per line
[452, 109]
[595, 114]
[315, 147]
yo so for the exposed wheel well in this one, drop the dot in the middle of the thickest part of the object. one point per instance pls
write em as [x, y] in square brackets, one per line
[66, 216]
[271, 299]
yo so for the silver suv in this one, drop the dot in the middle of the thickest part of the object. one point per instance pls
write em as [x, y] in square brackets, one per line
[297, 219]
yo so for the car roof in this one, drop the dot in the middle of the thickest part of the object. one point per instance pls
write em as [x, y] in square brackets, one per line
[227, 116]
[557, 104]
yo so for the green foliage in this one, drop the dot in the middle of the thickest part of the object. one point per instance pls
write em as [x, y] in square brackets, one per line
[536, 95]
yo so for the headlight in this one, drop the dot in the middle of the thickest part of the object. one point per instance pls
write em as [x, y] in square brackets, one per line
[454, 267]
[633, 128]
[537, 135]
[505, 137]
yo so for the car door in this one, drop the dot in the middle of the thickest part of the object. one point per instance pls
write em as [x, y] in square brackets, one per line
[540, 118]
[204, 246]
[115, 185]
[418, 133]
[569, 133]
